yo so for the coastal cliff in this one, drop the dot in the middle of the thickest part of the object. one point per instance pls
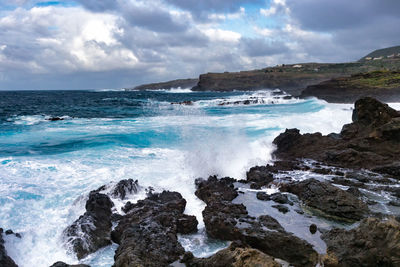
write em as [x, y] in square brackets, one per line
[316, 79]
[383, 85]
[182, 83]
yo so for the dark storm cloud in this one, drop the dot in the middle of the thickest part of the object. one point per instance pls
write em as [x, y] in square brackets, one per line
[153, 19]
[255, 47]
[151, 16]
[202, 8]
[328, 15]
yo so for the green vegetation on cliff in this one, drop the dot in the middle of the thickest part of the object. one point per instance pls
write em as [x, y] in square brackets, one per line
[383, 85]
[376, 79]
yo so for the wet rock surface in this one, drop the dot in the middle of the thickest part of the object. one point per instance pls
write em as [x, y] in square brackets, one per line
[63, 264]
[124, 188]
[328, 199]
[228, 221]
[147, 234]
[92, 230]
[370, 141]
[5, 260]
[259, 176]
[236, 255]
[375, 242]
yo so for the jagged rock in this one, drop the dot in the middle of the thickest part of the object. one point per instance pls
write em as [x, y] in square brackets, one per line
[125, 187]
[236, 255]
[5, 260]
[259, 176]
[147, 234]
[228, 221]
[215, 189]
[328, 199]
[281, 198]
[92, 230]
[63, 264]
[263, 196]
[281, 208]
[373, 243]
[371, 141]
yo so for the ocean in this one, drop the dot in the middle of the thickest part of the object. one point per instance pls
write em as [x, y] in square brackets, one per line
[47, 168]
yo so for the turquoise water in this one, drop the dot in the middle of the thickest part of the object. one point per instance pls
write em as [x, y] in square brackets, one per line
[48, 167]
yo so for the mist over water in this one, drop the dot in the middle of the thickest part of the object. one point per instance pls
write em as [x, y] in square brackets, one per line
[47, 168]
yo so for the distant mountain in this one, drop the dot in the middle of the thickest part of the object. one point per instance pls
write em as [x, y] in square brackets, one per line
[385, 53]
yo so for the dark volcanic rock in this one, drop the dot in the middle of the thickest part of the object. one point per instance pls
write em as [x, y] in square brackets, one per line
[228, 221]
[263, 196]
[125, 187]
[281, 198]
[281, 208]
[147, 234]
[92, 230]
[276, 197]
[370, 142]
[236, 255]
[373, 243]
[5, 260]
[313, 228]
[328, 198]
[63, 264]
[214, 189]
[55, 119]
[259, 177]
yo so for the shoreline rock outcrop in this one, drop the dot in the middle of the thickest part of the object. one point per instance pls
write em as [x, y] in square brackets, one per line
[5, 260]
[147, 234]
[328, 198]
[371, 141]
[374, 242]
[229, 221]
[236, 255]
[92, 230]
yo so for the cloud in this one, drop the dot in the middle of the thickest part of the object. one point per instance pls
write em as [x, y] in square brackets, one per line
[118, 43]
[327, 15]
[256, 47]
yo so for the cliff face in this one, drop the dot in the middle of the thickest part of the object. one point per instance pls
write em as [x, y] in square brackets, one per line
[290, 78]
[249, 81]
[383, 85]
[182, 83]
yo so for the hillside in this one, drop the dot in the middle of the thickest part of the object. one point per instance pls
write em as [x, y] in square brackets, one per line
[292, 78]
[385, 53]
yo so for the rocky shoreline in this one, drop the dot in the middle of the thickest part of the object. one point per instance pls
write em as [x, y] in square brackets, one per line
[331, 200]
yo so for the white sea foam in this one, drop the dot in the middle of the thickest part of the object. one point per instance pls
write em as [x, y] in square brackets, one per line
[176, 90]
[41, 195]
[32, 119]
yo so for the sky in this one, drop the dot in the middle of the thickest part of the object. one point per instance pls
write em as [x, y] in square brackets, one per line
[110, 44]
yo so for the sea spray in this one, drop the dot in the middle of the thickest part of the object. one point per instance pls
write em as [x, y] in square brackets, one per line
[48, 168]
